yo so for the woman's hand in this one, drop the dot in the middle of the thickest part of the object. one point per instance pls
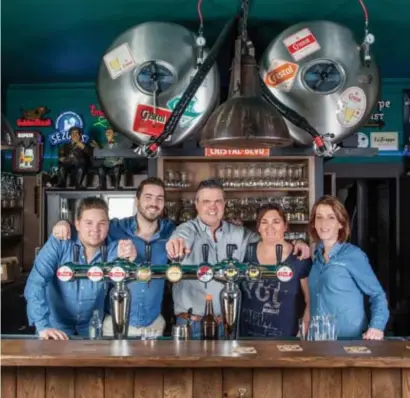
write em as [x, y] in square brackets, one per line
[373, 334]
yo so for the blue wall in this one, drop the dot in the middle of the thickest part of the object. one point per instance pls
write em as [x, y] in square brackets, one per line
[78, 98]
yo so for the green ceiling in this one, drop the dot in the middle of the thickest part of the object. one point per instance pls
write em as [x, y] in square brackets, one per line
[63, 40]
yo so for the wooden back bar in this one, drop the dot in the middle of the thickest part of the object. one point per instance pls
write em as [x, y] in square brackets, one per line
[197, 369]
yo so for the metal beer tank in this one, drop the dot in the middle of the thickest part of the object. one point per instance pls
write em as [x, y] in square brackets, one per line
[318, 101]
[175, 52]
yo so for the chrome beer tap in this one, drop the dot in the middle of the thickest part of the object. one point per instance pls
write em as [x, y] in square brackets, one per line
[205, 272]
[120, 298]
[230, 296]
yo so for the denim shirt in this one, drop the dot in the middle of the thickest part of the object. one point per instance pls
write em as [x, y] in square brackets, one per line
[67, 306]
[339, 286]
[146, 301]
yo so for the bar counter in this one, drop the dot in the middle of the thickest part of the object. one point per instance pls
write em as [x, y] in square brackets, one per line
[199, 369]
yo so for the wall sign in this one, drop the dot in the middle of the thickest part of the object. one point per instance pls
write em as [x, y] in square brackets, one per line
[34, 118]
[100, 118]
[240, 152]
[63, 124]
[377, 119]
[27, 153]
[386, 141]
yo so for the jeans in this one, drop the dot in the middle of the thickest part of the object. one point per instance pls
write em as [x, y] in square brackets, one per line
[196, 328]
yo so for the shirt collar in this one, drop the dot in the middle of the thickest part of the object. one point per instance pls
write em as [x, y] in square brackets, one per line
[205, 228]
[157, 234]
[333, 252]
[97, 253]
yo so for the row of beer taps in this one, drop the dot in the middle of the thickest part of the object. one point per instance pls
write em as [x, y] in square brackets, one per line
[229, 271]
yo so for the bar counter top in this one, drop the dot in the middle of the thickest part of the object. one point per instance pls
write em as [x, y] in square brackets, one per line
[202, 354]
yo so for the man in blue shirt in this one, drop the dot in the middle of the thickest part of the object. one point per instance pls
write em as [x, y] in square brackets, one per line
[146, 227]
[59, 309]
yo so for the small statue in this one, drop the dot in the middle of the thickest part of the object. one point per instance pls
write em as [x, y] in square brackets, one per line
[75, 158]
[113, 166]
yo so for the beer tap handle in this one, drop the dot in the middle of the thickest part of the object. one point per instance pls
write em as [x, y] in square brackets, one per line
[279, 252]
[76, 254]
[250, 252]
[104, 254]
[230, 248]
[148, 253]
[205, 252]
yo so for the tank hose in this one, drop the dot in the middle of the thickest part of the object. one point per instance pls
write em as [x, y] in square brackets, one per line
[321, 145]
[151, 148]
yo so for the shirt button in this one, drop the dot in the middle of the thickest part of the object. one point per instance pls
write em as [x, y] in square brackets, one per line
[142, 290]
[140, 304]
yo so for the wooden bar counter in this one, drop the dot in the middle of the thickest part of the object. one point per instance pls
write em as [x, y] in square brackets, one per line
[157, 369]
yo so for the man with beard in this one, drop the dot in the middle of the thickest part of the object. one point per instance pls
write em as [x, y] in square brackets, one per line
[145, 227]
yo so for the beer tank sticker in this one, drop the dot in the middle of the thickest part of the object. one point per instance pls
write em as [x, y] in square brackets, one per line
[301, 44]
[150, 121]
[351, 106]
[191, 112]
[284, 273]
[119, 61]
[281, 75]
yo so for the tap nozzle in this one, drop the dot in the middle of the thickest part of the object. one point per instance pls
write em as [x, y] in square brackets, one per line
[230, 248]
[205, 252]
[279, 252]
[104, 254]
[76, 254]
[148, 253]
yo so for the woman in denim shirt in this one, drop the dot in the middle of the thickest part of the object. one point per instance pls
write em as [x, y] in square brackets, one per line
[341, 275]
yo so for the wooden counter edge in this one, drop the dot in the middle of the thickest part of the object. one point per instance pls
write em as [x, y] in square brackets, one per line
[211, 362]
[194, 354]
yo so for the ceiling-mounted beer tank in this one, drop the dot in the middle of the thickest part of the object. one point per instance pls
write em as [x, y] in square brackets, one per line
[142, 76]
[317, 69]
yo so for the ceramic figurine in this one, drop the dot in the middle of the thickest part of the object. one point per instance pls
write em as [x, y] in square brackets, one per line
[75, 159]
[112, 166]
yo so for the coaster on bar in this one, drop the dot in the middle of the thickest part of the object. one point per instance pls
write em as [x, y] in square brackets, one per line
[289, 348]
[244, 350]
[357, 350]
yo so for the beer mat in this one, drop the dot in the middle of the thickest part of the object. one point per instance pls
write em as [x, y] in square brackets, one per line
[289, 347]
[244, 350]
[357, 350]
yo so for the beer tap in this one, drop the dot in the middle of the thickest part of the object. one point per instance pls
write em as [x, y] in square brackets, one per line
[205, 272]
[68, 271]
[144, 272]
[253, 272]
[230, 296]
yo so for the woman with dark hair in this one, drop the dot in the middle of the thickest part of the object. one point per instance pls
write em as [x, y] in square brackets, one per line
[271, 308]
[341, 275]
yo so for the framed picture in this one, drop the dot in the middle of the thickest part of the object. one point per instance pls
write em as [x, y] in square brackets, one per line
[28, 152]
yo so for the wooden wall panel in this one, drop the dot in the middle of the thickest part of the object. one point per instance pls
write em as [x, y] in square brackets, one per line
[148, 383]
[178, 383]
[267, 383]
[33, 382]
[89, 383]
[327, 383]
[356, 383]
[386, 383]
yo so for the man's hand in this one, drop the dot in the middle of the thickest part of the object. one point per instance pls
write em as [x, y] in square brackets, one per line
[373, 334]
[126, 249]
[176, 248]
[62, 230]
[52, 334]
[301, 250]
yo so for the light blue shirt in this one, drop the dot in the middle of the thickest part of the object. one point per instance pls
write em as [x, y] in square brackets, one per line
[146, 300]
[67, 306]
[339, 286]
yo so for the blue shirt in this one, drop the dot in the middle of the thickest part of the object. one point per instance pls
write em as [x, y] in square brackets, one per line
[339, 286]
[146, 301]
[271, 308]
[67, 306]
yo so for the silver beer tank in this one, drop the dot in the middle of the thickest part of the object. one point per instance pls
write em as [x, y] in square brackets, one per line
[317, 69]
[174, 51]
